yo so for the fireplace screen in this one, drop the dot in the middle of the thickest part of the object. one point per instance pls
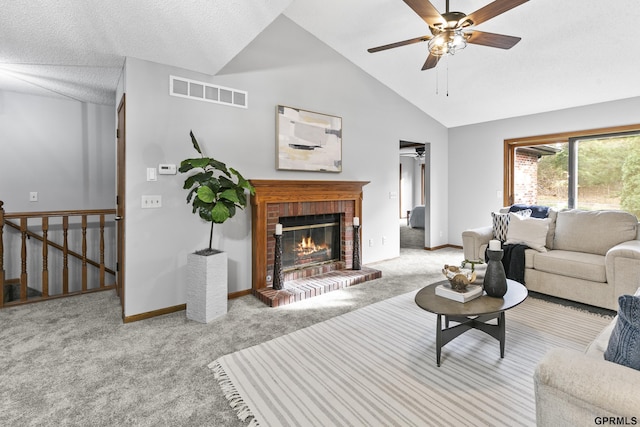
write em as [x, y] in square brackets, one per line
[309, 240]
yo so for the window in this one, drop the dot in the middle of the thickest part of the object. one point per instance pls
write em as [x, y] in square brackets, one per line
[585, 170]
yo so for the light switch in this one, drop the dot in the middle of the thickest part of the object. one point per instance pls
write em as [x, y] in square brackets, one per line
[152, 174]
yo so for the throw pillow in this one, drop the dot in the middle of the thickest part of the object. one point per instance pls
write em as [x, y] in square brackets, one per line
[501, 223]
[528, 231]
[624, 343]
[537, 211]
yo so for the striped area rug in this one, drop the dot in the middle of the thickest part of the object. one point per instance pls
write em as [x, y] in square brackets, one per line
[376, 366]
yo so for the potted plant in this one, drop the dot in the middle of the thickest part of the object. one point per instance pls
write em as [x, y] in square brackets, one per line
[215, 193]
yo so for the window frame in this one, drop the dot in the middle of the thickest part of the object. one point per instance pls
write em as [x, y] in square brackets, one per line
[570, 138]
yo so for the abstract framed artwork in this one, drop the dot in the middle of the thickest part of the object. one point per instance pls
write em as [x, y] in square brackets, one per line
[308, 141]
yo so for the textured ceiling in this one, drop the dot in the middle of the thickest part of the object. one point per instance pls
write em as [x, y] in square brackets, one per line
[573, 52]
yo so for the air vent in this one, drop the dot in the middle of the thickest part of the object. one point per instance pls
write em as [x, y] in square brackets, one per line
[192, 89]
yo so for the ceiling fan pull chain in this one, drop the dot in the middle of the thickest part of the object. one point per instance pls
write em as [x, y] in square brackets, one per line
[447, 74]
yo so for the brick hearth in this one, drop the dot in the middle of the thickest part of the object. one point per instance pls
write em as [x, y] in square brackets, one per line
[308, 287]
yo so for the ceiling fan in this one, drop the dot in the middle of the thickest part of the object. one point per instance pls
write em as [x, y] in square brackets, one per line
[451, 31]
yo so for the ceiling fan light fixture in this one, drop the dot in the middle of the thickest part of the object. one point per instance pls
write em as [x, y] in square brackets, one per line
[438, 45]
[448, 42]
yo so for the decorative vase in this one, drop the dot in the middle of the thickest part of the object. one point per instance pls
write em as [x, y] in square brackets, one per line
[356, 248]
[495, 279]
[207, 288]
[278, 276]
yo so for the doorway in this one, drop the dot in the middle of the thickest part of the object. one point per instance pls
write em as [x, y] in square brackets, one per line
[413, 194]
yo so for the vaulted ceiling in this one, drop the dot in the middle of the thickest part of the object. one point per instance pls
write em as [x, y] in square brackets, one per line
[572, 53]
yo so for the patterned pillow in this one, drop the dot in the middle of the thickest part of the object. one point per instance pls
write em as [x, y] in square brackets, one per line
[624, 343]
[501, 223]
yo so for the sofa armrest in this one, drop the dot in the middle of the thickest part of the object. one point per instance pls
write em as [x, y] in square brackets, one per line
[472, 241]
[574, 389]
[622, 264]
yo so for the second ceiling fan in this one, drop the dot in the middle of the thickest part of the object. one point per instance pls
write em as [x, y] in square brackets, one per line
[451, 31]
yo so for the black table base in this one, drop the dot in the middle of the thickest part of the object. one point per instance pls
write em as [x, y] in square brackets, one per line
[444, 336]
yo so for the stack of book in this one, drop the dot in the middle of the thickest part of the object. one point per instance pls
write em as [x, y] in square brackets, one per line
[472, 292]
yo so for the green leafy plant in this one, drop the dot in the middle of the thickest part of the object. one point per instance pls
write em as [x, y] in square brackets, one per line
[215, 191]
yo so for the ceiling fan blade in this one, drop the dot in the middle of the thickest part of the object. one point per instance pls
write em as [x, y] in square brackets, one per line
[426, 11]
[492, 40]
[398, 44]
[492, 10]
[431, 62]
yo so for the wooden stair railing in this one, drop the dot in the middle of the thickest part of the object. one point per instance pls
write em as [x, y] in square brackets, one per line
[25, 234]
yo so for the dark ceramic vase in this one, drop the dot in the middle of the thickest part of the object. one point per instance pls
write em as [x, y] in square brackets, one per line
[278, 276]
[495, 280]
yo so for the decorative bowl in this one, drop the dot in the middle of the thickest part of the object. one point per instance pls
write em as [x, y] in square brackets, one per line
[458, 278]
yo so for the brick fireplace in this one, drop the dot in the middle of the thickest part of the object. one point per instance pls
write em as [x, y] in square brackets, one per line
[278, 201]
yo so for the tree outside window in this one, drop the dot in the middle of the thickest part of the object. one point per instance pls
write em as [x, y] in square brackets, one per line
[589, 173]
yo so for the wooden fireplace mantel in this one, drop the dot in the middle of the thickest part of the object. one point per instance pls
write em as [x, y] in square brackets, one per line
[296, 192]
[270, 191]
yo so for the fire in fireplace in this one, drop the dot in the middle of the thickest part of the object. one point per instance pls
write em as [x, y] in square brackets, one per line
[310, 240]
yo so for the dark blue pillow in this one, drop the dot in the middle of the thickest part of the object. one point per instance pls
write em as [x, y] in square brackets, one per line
[536, 210]
[624, 343]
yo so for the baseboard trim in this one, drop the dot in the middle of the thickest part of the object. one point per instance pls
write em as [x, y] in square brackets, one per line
[154, 313]
[175, 308]
[239, 294]
[435, 248]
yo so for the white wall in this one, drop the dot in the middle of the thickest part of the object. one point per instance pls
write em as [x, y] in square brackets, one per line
[411, 183]
[407, 184]
[283, 65]
[62, 149]
[476, 155]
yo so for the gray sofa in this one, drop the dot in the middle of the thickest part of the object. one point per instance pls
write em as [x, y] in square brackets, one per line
[592, 257]
[578, 389]
[416, 217]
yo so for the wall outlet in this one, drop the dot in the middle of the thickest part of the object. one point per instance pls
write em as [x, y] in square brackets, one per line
[149, 202]
[33, 196]
[384, 240]
[371, 242]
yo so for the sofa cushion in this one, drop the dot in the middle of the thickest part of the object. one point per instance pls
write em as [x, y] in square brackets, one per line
[528, 231]
[624, 344]
[553, 216]
[599, 345]
[529, 256]
[593, 231]
[572, 264]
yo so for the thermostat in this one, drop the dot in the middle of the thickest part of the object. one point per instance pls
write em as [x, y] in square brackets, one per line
[166, 169]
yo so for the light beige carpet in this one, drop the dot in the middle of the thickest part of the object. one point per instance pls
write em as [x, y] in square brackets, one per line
[376, 366]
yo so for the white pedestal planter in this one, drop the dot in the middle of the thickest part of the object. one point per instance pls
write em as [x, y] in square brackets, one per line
[206, 286]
